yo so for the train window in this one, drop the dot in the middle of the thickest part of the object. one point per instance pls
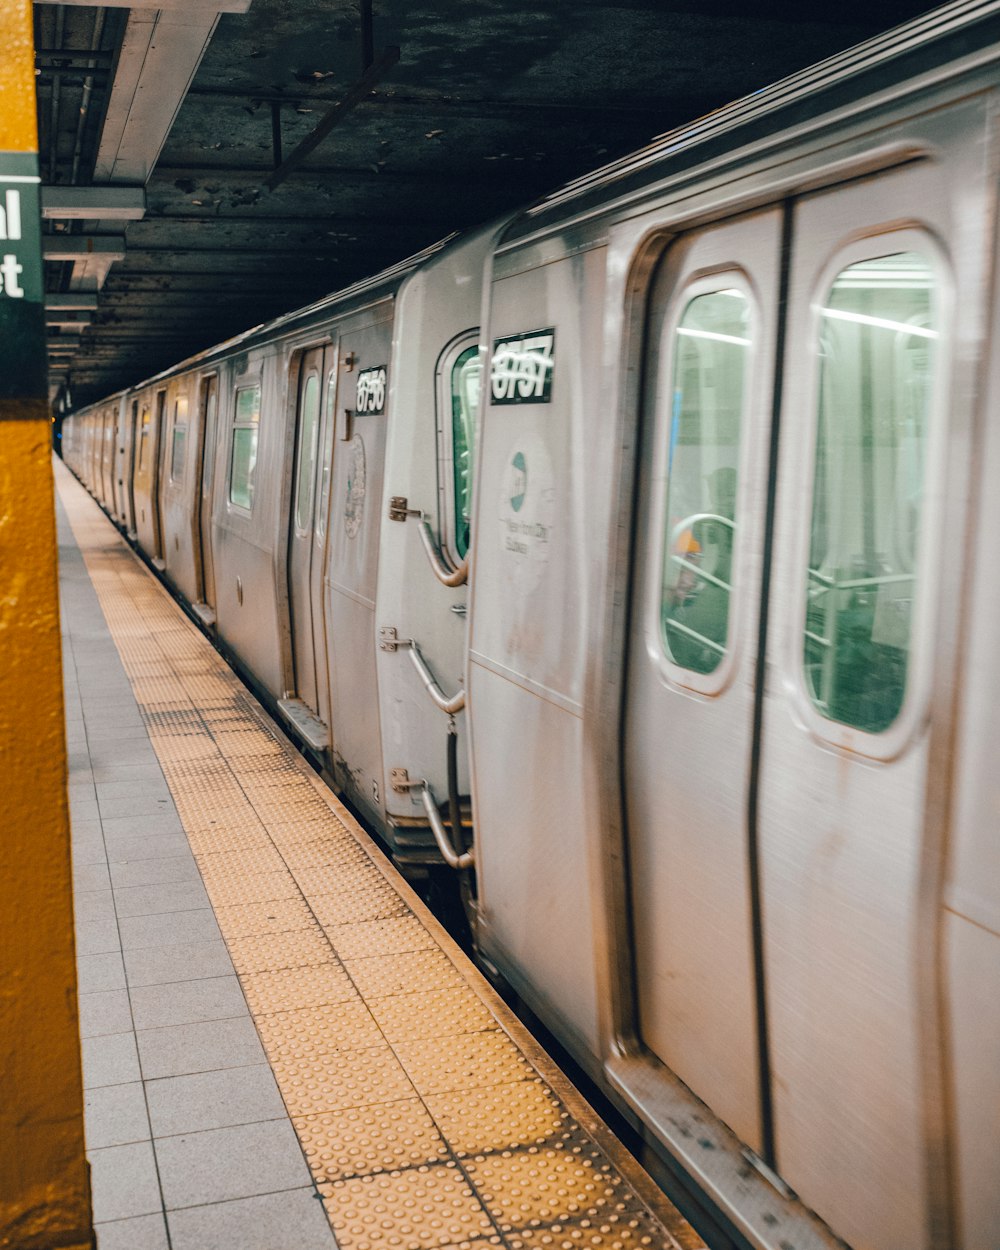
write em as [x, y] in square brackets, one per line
[878, 339]
[466, 373]
[710, 350]
[306, 475]
[246, 427]
[178, 439]
[326, 464]
[144, 436]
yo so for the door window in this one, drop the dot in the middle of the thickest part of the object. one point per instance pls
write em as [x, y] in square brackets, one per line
[710, 350]
[466, 374]
[878, 358]
[179, 439]
[246, 428]
[306, 476]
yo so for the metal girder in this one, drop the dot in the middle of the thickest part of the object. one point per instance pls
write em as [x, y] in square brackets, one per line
[160, 53]
[167, 6]
[110, 247]
[73, 299]
[94, 203]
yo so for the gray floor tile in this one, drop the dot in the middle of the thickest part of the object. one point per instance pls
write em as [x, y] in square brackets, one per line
[123, 1180]
[125, 849]
[103, 971]
[93, 905]
[118, 755]
[104, 1012]
[186, 1048]
[109, 1060]
[167, 871]
[92, 876]
[88, 848]
[109, 734]
[153, 787]
[114, 1115]
[157, 965]
[142, 826]
[186, 1002]
[230, 1163]
[136, 805]
[145, 1232]
[83, 809]
[151, 900]
[95, 937]
[207, 1100]
[293, 1220]
[169, 929]
[126, 773]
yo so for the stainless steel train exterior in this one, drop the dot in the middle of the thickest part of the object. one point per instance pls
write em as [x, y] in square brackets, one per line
[723, 415]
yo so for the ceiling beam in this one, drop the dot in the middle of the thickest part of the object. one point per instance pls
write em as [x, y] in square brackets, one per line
[167, 6]
[94, 203]
[160, 52]
[72, 299]
[76, 246]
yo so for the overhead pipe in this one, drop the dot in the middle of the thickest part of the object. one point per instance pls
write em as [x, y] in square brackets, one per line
[88, 87]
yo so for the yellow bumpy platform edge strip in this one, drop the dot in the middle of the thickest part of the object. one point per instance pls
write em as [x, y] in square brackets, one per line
[425, 1124]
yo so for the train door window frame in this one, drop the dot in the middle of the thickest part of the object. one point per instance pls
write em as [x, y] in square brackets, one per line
[304, 499]
[246, 419]
[326, 451]
[145, 421]
[455, 532]
[888, 742]
[665, 555]
[178, 445]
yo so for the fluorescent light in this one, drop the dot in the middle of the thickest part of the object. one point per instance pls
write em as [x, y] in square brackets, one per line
[881, 323]
[718, 338]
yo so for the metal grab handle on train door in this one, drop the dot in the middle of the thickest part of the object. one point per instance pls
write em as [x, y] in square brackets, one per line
[448, 574]
[388, 640]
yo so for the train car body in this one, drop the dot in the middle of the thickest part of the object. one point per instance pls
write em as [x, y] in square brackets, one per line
[711, 435]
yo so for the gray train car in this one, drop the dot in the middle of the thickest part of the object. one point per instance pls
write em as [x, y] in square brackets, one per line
[731, 631]
[666, 506]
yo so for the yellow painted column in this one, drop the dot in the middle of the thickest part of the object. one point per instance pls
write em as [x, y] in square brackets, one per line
[44, 1184]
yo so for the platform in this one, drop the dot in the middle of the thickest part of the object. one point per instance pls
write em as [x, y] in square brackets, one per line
[282, 1048]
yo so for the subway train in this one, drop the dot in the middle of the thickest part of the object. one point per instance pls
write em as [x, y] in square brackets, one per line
[647, 533]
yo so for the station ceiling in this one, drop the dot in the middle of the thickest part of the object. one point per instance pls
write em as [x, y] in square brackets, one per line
[179, 207]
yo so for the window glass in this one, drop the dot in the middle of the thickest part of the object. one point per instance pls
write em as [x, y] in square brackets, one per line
[144, 437]
[878, 351]
[326, 464]
[177, 453]
[710, 351]
[246, 427]
[306, 477]
[179, 439]
[465, 379]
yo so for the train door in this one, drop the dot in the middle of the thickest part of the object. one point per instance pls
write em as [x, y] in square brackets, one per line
[130, 466]
[119, 453]
[690, 681]
[306, 547]
[157, 475]
[355, 495]
[777, 729]
[847, 846]
[208, 404]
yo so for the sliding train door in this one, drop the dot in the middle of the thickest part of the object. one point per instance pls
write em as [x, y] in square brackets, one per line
[307, 547]
[849, 835]
[208, 408]
[778, 735]
[689, 716]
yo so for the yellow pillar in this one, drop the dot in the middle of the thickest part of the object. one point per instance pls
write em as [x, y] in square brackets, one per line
[44, 1185]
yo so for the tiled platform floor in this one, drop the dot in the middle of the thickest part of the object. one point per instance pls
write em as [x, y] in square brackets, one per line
[374, 1086]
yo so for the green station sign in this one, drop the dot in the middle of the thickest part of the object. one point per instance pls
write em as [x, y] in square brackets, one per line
[23, 371]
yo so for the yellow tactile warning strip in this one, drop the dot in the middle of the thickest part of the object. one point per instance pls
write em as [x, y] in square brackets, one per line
[428, 1116]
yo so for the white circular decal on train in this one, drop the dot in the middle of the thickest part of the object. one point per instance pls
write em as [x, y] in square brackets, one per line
[354, 507]
[527, 510]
